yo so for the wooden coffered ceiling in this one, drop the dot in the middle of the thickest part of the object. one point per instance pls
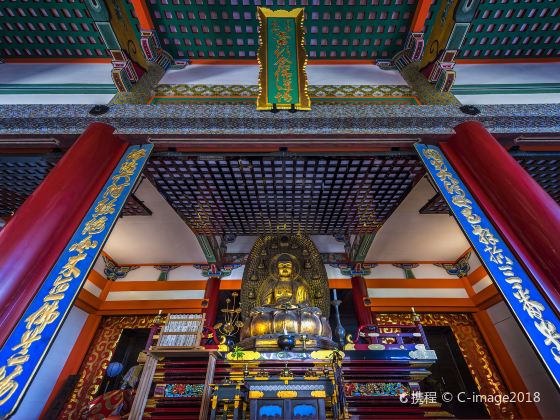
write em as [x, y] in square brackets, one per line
[318, 195]
[227, 29]
[21, 174]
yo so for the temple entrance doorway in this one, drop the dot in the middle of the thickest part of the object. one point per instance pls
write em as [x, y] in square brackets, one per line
[131, 342]
[450, 374]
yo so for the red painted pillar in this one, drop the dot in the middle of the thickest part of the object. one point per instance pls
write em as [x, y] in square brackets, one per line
[212, 295]
[359, 292]
[40, 229]
[526, 216]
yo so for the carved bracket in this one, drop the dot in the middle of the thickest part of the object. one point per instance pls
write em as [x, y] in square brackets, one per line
[412, 52]
[459, 268]
[165, 269]
[125, 72]
[351, 270]
[115, 272]
[407, 268]
[212, 270]
[151, 47]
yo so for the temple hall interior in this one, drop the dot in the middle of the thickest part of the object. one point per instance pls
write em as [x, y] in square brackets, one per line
[279, 209]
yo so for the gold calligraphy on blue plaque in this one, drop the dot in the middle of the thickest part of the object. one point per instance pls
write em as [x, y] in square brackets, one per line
[539, 322]
[26, 347]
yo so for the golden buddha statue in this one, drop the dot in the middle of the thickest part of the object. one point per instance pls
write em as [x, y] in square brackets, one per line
[283, 307]
[288, 290]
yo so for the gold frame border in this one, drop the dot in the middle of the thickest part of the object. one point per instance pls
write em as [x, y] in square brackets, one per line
[304, 103]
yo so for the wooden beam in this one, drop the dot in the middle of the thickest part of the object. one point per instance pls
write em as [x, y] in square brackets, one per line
[476, 275]
[424, 309]
[153, 311]
[420, 15]
[487, 297]
[88, 299]
[254, 62]
[414, 284]
[143, 14]
[133, 306]
[93, 60]
[423, 304]
[507, 60]
[80, 304]
[230, 285]
[97, 279]
[125, 286]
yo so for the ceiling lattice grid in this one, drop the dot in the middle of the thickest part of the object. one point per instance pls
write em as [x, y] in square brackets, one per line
[336, 29]
[545, 170]
[21, 175]
[435, 205]
[131, 14]
[258, 195]
[514, 29]
[431, 18]
[48, 29]
[18, 179]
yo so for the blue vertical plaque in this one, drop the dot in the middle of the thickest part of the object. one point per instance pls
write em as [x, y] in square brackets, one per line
[26, 347]
[536, 317]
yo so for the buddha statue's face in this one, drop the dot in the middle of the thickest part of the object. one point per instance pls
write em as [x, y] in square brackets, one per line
[285, 268]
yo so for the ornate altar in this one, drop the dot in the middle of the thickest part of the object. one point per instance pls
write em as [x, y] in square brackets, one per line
[285, 296]
[285, 364]
[269, 387]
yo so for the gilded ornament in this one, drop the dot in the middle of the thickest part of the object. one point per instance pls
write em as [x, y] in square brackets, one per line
[255, 394]
[318, 394]
[325, 354]
[305, 283]
[287, 394]
[460, 268]
[243, 355]
[98, 356]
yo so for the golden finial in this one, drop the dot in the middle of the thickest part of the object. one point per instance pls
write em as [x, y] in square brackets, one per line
[415, 316]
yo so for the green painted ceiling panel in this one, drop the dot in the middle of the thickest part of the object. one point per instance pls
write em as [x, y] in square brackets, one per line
[132, 16]
[430, 20]
[337, 29]
[514, 29]
[48, 29]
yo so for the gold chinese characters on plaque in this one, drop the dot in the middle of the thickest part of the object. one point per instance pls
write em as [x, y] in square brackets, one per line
[282, 60]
